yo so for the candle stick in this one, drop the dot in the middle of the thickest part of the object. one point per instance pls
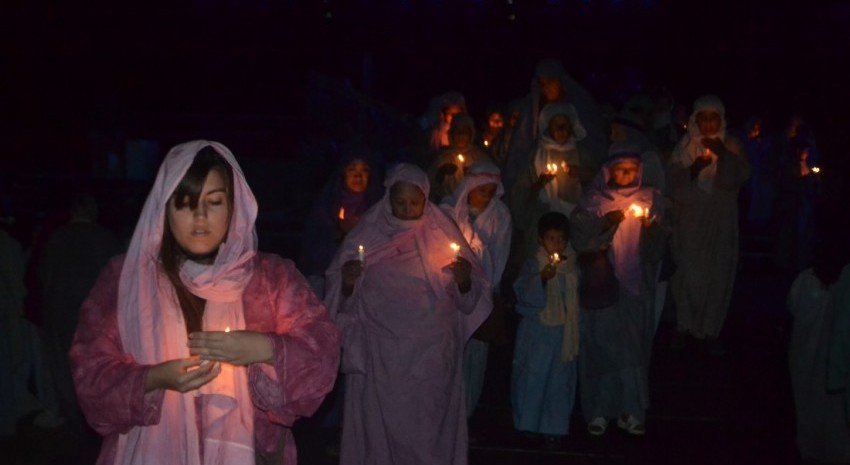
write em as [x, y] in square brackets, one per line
[361, 253]
[456, 249]
[341, 213]
[554, 259]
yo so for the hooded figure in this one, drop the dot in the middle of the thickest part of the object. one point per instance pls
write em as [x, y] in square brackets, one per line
[192, 274]
[707, 169]
[619, 215]
[406, 303]
[451, 163]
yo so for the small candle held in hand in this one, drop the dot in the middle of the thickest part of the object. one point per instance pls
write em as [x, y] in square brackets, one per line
[460, 159]
[554, 259]
[815, 169]
[638, 211]
[361, 253]
[455, 249]
[341, 213]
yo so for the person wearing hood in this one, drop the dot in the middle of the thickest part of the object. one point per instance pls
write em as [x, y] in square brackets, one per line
[407, 292]
[554, 177]
[485, 221]
[193, 347]
[620, 221]
[451, 163]
[707, 169]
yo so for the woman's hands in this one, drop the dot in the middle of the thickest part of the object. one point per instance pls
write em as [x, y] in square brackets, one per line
[234, 347]
[462, 272]
[181, 375]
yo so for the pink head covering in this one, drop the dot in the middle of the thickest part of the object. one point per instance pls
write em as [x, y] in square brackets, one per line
[153, 331]
[380, 233]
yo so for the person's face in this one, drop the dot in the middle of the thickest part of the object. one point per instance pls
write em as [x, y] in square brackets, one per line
[551, 88]
[407, 201]
[708, 122]
[356, 176]
[560, 129]
[495, 121]
[624, 173]
[202, 230]
[553, 240]
[460, 137]
[481, 196]
[450, 112]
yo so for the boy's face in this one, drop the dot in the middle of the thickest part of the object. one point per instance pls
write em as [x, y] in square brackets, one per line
[560, 129]
[553, 240]
[357, 176]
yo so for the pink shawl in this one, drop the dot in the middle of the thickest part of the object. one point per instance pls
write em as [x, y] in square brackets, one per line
[600, 199]
[153, 331]
[380, 233]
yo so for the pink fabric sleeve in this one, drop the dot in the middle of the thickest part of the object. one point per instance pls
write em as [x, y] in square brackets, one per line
[110, 384]
[305, 343]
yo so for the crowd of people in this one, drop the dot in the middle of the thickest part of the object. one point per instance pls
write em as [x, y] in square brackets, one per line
[193, 346]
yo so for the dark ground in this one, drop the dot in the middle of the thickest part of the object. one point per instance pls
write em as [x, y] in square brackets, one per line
[733, 409]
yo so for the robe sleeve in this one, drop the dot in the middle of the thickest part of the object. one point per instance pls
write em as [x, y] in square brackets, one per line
[306, 349]
[530, 293]
[110, 384]
[733, 169]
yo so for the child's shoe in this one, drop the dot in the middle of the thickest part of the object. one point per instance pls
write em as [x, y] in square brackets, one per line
[597, 426]
[631, 425]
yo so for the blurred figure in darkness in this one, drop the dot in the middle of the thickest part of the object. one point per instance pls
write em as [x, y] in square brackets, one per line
[799, 197]
[451, 163]
[759, 194]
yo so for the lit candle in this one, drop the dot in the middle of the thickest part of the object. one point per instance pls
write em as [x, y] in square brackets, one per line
[815, 169]
[456, 249]
[554, 258]
[227, 329]
[341, 213]
[361, 253]
[486, 143]
[460, 159]
[638, 211]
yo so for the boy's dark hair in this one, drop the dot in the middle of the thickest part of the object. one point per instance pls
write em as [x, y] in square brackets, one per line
[553, 220]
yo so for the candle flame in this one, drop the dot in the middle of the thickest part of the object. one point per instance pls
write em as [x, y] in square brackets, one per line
[815, 169]
[551, 168]
[460, 158]
[486, 143]
[455, 247]
[638, 211]
[227, 329]
[564, 166]
[555, 258]
[341, 213]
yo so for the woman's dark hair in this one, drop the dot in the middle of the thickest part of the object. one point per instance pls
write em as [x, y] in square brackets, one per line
[171, 255]
[553, 220]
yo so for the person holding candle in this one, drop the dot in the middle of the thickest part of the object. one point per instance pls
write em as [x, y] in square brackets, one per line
[800, 205]
[406, 313]
[351, 189]
[155, 372]
[543, 378]
[621, 220]
[485, 221]
[451, 163]
[706, 171]
[553, 180]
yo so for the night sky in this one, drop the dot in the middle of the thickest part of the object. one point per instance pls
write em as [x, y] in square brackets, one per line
[133, 66]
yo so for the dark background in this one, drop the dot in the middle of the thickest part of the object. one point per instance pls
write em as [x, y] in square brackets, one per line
[245, 72]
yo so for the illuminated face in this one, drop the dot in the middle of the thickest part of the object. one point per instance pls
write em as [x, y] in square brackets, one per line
[450, 112]
[560, 129]
[495, 121]
[708, 122]
[481, 196]
[460, 137]
[356, 176]
[553, 240]
[551, 88]
[201, 231]
[407, 201]
[623, 173]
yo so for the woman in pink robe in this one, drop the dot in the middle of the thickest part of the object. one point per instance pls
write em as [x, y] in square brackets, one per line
[406, 310]
[157, 369]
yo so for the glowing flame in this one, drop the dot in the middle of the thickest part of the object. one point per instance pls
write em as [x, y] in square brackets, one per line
[555, 258]
[361, 253]
[486, 143]
[564, 166]
[460, 158]
[551, 168]
[638, 211]
[227, 329]
[455, 249]
[815, 169]
[341, 213]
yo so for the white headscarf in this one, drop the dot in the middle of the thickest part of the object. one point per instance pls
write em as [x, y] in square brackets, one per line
[153, 331]
[690, 146]
[546, 148]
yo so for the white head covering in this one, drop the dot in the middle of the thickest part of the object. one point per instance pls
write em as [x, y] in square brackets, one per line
[690, 146]
[547, 148]
[153, 331]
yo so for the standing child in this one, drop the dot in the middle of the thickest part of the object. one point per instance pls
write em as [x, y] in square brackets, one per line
[543, 382]
[477, 209]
